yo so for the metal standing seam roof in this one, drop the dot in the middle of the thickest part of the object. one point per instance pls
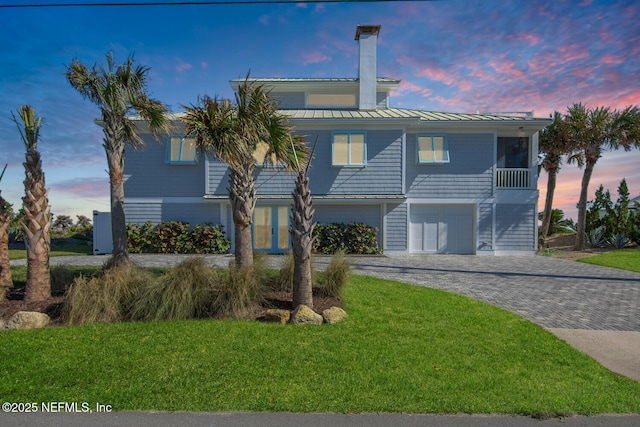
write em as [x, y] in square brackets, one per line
[401, 113]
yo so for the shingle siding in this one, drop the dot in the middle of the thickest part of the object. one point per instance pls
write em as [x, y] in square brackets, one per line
[515, 227]
[396, 230]
[147, 175]
[192, 213]
[469, 173]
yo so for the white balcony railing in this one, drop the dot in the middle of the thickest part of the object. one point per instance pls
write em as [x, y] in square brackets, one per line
[513, 178]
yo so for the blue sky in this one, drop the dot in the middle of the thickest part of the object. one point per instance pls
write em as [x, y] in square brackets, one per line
[451, 55]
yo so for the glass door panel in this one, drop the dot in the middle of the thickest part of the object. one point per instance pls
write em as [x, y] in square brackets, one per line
[262, 228]
[283, 227]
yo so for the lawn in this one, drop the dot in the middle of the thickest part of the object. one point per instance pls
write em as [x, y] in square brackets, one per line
[59, 247]
[625, 259]
[402, 349]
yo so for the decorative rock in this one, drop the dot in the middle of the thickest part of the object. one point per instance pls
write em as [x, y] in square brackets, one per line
[276, 315]
[334, 315]
[303, 315]
[28, 320]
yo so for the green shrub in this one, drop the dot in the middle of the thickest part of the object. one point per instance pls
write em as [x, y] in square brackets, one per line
[105, 298]
[352, 238]
[241, 290]
[335, 277]
[175, 237]
[184, 292]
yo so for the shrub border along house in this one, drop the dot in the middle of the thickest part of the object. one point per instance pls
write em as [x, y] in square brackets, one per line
[176, 237]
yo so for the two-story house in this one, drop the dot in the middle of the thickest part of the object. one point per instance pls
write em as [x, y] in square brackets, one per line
[431, 182]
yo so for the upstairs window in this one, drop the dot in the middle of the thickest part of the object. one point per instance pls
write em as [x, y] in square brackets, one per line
[433, 149]
[328, 100]
[349, 149]
[513, 152]
[181, 150]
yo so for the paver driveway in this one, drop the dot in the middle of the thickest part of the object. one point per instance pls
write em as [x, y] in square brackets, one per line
[551, 292]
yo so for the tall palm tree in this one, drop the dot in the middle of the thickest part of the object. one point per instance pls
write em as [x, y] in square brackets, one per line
[118, 91]
[36, 221]
[5, 266]
[553, 144]
[302, 237]
[233, 132]
[593, 131]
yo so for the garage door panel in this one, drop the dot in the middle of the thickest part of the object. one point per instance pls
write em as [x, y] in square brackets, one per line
[442, 229]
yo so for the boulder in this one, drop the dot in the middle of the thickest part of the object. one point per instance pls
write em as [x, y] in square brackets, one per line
[334, 315]
[303, 315]
[28, 320]
[276, 315]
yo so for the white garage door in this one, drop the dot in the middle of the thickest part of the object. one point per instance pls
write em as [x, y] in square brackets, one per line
[443, 229]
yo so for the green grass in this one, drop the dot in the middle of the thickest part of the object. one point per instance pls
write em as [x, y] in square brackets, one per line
[625, 259]
[402, 349]
[58, 248]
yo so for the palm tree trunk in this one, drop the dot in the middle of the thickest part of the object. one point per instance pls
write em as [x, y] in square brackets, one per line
[548, 202]
[5, 266]
[36, 225]
[242, 194]
[582, 204]
[115, 159]
[302, 241]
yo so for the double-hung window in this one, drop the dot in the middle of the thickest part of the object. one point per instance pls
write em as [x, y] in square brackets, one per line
[433, 149]
[181, 150]
[349, 148]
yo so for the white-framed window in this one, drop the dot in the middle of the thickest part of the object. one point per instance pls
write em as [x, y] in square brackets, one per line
[433, 149]
[329, 100]
[181, 150]
[349, 148]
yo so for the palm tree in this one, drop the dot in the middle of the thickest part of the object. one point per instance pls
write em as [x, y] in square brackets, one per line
[593, 131]
[36, 221]
[553, 144]
[118, 91]
[302, 237]
[233, 132]
[5, 265]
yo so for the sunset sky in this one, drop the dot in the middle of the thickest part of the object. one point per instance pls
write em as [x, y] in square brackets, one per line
[451, 55]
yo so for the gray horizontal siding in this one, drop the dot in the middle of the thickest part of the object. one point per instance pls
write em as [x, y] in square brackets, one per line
[147, 175]
[192, 213]
[381, 175]
[515, 227]
[345, 213]
[469, 173]
[485, 225]
[396, 228]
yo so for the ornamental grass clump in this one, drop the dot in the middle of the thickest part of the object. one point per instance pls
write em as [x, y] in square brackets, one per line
[108, 297]
[184, 292]
[241, 290]
[335, 276]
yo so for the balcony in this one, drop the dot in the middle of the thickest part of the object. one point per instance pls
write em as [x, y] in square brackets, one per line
[513, 178]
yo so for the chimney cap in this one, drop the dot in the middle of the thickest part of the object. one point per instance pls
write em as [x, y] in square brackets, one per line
[367, 29]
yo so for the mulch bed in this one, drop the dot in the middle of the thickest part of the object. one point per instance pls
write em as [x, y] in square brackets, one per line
[53, 306]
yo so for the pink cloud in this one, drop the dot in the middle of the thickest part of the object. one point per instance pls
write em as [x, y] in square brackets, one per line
[408, 87]
[573, 52]
[611, 60]
[315, 58]
[183, 66]
[437, 74]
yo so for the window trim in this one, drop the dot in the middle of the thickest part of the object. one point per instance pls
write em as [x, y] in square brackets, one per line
[348, 133]
[167, 155]
[446, 156]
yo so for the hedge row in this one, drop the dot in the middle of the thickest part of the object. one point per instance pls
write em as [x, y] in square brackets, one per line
[352, 238]
[176, 237]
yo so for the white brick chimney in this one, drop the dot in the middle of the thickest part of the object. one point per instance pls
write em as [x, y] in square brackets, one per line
[367, 36]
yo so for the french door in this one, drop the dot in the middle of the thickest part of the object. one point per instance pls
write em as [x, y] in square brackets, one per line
[271, 228]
